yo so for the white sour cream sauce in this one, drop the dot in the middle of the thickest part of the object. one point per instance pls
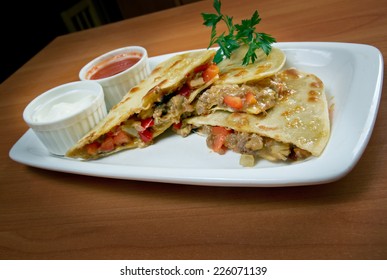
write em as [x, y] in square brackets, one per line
[63, 107]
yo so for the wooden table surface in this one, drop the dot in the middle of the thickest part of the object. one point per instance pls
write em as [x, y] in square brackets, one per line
[53, 215]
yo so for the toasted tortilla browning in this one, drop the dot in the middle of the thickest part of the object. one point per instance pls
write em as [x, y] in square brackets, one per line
[233, 72]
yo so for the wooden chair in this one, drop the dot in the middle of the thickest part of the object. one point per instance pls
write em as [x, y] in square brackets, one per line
[82, 15]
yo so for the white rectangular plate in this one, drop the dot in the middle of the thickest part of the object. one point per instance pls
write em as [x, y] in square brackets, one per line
[353, 76]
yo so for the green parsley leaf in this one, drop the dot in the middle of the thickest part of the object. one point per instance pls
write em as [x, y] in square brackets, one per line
[211, 19]
[217, 6]
[238, 34]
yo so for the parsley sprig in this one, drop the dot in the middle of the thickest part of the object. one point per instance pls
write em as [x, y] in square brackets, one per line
[238, 35]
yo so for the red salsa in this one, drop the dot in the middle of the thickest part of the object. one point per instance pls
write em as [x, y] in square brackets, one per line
[113, 66]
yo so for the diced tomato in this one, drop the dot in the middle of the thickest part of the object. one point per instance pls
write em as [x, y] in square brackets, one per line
[113, 131]
[92, 148]
[121, 138]
[210, 72]
[250, 98]
[107, 145]
[220, 130]
[233, 101]
[146, 123]
[219, 137]
[146, 135]
[185, 91]
[177, 126]
[201, 68]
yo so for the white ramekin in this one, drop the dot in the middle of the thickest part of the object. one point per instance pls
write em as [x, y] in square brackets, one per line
[116, 86]
[61, 133]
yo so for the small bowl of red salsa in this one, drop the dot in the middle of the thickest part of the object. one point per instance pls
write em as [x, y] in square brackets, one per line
[117, 71]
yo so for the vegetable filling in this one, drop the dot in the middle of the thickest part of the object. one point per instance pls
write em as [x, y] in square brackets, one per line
[221, 139]
[169, 110]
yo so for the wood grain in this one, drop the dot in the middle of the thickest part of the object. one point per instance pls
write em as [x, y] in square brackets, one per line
[51, 215]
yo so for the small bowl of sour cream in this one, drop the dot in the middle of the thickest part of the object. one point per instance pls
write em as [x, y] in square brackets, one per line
[62, 115]
[117, 71]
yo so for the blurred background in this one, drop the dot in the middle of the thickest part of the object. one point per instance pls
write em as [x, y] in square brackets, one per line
[28, 27]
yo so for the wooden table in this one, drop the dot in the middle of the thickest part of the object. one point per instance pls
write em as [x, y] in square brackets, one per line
[53, 215]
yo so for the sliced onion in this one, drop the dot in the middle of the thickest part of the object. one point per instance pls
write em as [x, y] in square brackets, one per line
[247, 160]
[130, 130]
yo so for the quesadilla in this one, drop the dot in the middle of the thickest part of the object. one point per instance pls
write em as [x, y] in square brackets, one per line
[296, 127]
[151, 107]
[232, 93]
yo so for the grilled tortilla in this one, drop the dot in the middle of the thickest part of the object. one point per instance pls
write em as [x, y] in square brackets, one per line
[149, 108]
[233, 72]
[296, 127]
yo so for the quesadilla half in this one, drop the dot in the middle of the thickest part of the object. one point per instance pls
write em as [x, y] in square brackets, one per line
[151, 107]
[231, 91]
[296, 127]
